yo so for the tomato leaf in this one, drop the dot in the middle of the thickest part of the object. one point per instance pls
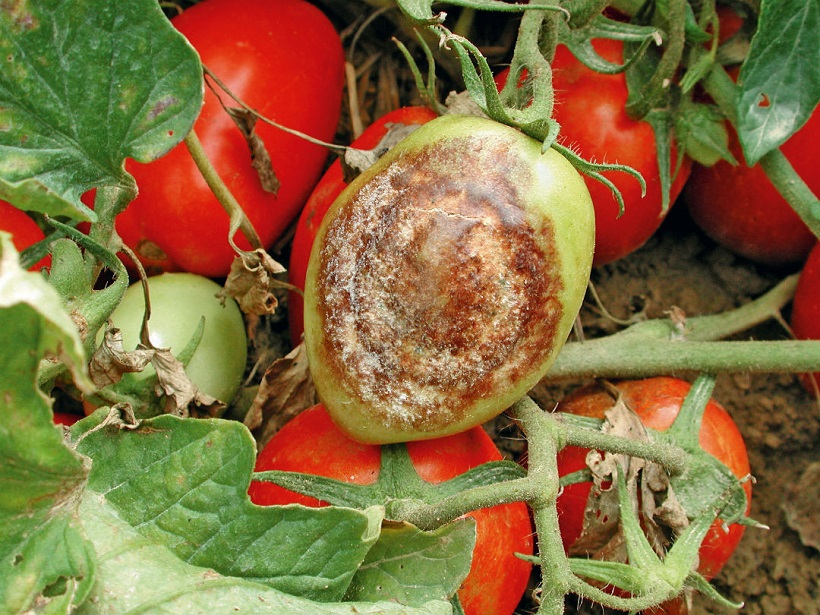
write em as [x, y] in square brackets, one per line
[142, 575]
[184, 482]
[84, 85]
[43, 555]
[779, 81]
[412, 567]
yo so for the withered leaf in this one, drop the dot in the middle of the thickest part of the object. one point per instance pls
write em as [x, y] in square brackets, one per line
[180, 392]
[260, 158]
[253, 282]
[355, 161]
[110, 361]
[649, 491]
[286, 389]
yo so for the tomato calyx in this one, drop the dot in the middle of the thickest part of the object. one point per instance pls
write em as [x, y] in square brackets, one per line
[398, 487]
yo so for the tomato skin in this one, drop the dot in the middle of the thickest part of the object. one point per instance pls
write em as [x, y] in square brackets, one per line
[24, 231]
[329, 187]
[311, 443]
[590, 108]
[66, 418]
[657, 402]
[740, 209]
[285, 60]
[805, 316]
[178, 302]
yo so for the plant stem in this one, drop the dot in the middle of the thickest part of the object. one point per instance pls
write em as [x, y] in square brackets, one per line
[664, 346]
[637, 357]
[220, 190]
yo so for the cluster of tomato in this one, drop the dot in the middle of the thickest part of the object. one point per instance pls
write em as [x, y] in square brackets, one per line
[175, 224]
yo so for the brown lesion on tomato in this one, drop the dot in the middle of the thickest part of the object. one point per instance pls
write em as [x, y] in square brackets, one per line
[434, 290]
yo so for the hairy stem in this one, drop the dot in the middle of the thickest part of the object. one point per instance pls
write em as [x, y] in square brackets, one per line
[220, 190]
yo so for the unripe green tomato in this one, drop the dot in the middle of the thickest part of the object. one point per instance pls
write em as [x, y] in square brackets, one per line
[444, 280]
[178, 302]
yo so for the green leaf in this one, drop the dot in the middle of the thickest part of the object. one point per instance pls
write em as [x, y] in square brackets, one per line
[412, 567]
[183, 483]
[43, 555]
[701, 130]
[140, 575]
[780, 81]
[85, 84]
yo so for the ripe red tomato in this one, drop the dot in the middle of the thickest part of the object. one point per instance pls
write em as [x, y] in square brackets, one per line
[285, 60]
[590, 107]
[657, 402]
[24, 231]
[322, 197]
[805, 316]
[66, 418]
[740, 209]
[311, 443]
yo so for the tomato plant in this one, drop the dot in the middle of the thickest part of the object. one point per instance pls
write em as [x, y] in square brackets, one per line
[312, 444]
[24, 231]
[285, 60]
[590, 108]
[805, 316]
[329, 187]
[402, 340]
[181, 303]
[657, 402]
[739, 208]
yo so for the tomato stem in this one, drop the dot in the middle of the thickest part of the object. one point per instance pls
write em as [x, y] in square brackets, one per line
[663, 345]
[220, 190]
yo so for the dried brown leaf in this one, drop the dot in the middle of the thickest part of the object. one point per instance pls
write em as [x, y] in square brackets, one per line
[286, 389]
[110, 361]
[254, 284]
[649, 492]
[181, 394]
[260, 158]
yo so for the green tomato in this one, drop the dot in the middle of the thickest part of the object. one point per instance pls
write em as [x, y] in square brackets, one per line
[444, 280]
[179, 302]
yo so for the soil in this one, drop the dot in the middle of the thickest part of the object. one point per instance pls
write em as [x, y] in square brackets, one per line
[774, 571]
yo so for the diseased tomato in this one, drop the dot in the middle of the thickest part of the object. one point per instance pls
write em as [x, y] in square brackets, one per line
[179, 303]
[322, 197]
[285, 60]
[444, 280]
[805, 316]
[657, 402]
[24, 231]
[312, 444]
[590, 107]
[740, 209]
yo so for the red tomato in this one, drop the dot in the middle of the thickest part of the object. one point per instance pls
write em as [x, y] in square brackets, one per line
[805, 317]
[740, 209]
[590, 107]
[66, 418]
[657, 402]
[24, 231]
[285, 60]
[322, 197]
[311, 443]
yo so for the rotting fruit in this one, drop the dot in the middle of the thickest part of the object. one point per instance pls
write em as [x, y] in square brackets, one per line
[445, 279]
[322, 197]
